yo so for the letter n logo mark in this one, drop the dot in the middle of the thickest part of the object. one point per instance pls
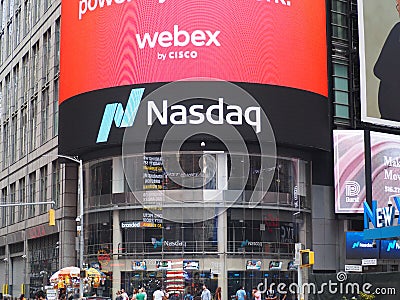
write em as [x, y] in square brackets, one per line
[122, 119]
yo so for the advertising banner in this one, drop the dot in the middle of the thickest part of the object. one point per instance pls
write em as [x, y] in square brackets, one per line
[349, 171]
[379, 32]
[390, 249]
[357, 247]
[114, 53]
[114, 43]
[385, 167]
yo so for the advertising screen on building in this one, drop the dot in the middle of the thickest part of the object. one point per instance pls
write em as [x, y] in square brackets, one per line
[349, 171]
[275, 49]
[385, 167]
[357, 247]
[379, 32]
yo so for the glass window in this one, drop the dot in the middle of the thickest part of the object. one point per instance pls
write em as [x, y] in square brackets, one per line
[32, 194]
[43, 189]
[340, 70]
[261, 231]
[35, 68]
[44, 115]
[99, 233]
[25, 78]
[4, 199]
[23, 131]
[148, 232]
[13, 139]
[43, 259]
[17, 30]
[57, 48]
[36, 10]
[27, 17]
[7, 96]
[55, 107]
[342, 111]
[340, 32]
[12, 217]
[341, 97]
[46, 56]
[5, 144]
[32, 123]
[56, 184]
[21, 198]
[101, 178]
[14, 98]
[341, 84]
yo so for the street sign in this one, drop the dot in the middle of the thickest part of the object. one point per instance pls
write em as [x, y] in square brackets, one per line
[51, 294]
[297, 248]
[369, 262]
[353, 268]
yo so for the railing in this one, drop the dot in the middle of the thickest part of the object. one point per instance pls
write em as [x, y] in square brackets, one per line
[268, 248]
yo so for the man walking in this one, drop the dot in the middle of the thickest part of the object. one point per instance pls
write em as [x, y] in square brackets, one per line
[205, 294]
[241, 294]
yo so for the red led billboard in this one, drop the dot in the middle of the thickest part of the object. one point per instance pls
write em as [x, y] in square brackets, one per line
[108, 43]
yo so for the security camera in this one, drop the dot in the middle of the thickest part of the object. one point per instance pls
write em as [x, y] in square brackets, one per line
[23, 256]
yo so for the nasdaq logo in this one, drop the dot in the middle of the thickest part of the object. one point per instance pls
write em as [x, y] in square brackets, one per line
[114, 112]
[363, 245]
[157, 243]
[393, 245]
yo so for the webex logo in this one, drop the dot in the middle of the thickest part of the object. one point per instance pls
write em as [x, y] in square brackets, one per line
[177, 114]
[179, 38]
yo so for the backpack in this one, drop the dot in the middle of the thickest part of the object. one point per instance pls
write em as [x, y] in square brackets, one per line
[188, 297]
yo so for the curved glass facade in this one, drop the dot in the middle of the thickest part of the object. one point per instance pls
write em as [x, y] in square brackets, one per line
[146, 225]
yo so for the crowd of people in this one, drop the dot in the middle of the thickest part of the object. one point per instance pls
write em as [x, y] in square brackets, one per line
[161, 294]
[270, 294]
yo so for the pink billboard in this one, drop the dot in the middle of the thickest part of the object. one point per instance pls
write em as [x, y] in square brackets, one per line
[385, 167]
[349, 171]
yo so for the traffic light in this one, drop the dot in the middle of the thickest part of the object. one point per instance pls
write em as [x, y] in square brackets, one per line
[306, 258]
[52, 217]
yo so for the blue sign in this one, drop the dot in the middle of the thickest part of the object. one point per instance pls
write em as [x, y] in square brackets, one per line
[390, 249]
[357, 247]
[382, 219]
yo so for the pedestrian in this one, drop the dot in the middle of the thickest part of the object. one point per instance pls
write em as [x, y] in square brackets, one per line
[158, 294]
[205, 294]
[135, 292]
[119, 297]
[144, 293]
[241, 294]
[40, 295]
[256, 294]
[22, 297]
[188, 295]
[124, 295]
[271, 293]
[141, 295]
[218, 293]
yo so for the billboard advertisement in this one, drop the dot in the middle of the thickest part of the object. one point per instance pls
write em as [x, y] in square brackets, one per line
[390, 249]
[349, 171]
[379, 31]
[276, 50]
[357, 247]
[385, 167]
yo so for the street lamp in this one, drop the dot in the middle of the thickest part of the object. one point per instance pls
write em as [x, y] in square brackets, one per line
[80, 216]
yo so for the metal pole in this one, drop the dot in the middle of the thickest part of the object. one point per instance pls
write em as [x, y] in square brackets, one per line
[81, 237]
